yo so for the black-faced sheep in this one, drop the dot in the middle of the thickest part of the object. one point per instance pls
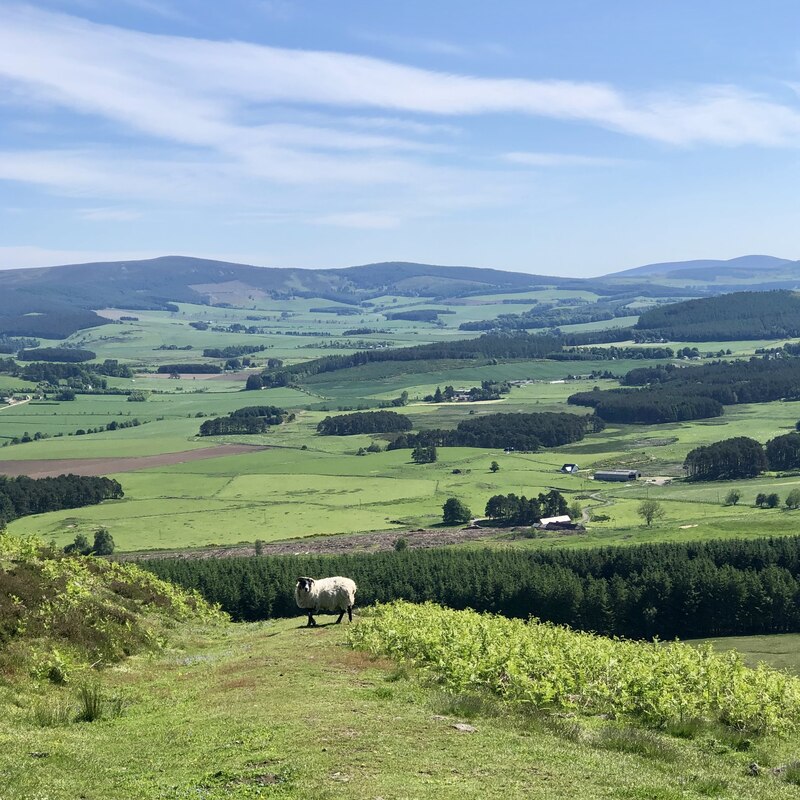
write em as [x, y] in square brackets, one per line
[326, 594]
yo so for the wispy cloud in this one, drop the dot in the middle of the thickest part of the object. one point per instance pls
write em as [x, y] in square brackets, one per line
[108, 214]
[366, 220]
[194, 90]
[561, 160]
[253, 128]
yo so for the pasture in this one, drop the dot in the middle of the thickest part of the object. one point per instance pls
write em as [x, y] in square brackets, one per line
[306, 484]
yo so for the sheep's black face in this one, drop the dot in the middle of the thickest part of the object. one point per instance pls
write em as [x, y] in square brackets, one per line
[304, 584]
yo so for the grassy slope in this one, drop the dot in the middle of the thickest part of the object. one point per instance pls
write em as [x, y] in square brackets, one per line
[232, 710]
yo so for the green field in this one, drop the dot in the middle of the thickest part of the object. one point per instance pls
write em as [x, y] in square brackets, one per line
[273, 710]
[306, 484]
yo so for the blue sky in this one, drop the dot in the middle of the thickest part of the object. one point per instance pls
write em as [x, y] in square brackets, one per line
[571, 138]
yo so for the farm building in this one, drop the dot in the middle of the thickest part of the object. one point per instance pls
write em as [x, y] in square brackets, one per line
[621, 475]
[545, 521]
[569, 469]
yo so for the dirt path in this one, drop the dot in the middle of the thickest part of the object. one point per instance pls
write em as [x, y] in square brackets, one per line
[48, 468]
[14, 405]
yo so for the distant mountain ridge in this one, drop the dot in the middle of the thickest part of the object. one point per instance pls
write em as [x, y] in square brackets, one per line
[704, 269]
[53, 302]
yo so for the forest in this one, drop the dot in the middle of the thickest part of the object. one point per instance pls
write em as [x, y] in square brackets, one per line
[547, 316]
[672, 393]
[729, 317]
[647, 406]
[691, 590]
[364, 422]
[486, 346]
[22, 495]
[72, 355]
[738, 457]
[527, 432]
[247, 420]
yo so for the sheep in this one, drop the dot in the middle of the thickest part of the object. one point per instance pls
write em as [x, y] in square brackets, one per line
[325, 594]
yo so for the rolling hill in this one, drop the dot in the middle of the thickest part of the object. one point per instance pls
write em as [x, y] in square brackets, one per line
[54, 302]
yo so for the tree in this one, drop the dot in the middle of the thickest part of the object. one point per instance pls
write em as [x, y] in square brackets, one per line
[761, 499]
[553, 504]
[495, 467]
[437, 395]
[103, 542]
[254, 382]
[259, 546]
[733, 497]
[773, 500]
[793, 499]
[650, 510]
[424, 455]
[454, 512]
[575, 511]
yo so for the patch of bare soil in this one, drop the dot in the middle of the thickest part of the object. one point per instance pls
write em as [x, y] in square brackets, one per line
[335, 545]
[49, 468]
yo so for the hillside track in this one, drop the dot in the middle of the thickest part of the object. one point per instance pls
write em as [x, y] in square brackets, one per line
[49, 468]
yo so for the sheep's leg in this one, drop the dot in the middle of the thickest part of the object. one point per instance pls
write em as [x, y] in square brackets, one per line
[340, 618]
[350, 613]
[311, 621]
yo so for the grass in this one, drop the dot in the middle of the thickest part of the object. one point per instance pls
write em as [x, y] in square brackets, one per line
[237, 713]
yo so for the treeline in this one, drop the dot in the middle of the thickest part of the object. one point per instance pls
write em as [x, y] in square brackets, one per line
[528, 432]
[364, 422]
[740, 315]
[232, 351]
[612, 353]
[743, 457]
[547, 316]
[488, 390]
[487, 346]
[419, 314]
[671, 394]
[77, 376]
[109, 426]
[692, 590]
[247, 420]
[70, 355]
[200, 369]
[340, 311]
[22, 496]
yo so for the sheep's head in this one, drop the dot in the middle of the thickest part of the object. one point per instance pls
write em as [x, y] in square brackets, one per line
[305, 584]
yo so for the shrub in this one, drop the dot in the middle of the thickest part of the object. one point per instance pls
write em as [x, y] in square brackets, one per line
[542, 666]
[793, 499]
